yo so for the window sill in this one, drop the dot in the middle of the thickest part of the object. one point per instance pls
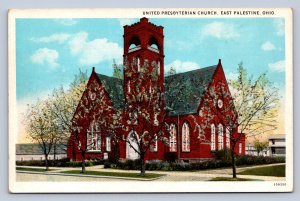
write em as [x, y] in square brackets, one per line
[93, 151]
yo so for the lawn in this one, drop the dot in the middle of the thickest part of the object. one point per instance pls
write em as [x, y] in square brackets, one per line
[115, 174]
[231, 179]
[32, 169]
[275, 171]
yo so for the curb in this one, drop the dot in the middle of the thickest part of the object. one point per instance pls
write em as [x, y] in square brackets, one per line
[91, 176]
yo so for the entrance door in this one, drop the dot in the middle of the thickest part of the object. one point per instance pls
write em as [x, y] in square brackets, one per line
[130, 152]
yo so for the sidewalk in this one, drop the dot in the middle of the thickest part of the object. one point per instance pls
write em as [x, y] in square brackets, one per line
[201, 175]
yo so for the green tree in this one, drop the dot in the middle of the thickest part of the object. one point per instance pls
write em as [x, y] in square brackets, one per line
[117, 70]
[171, 71]
[260, 146]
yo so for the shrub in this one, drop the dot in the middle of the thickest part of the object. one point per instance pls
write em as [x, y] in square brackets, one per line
[74, 164]
[223, 155]
[52, 163]
[107, 164]
[170, 156]
[128, 164]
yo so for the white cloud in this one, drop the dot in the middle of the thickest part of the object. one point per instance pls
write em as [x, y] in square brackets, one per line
[45, 56]
[279, 26]
[232, 76]
[95, 51]
[220, 30]
[126, 21]
[278, 66]
[182, 66]
[66, 21]
[58, 37]
[268, 46]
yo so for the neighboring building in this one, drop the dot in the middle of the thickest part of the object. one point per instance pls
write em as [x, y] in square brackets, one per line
[276, 145]
[250, 150]
[27, 152]
[143, 42]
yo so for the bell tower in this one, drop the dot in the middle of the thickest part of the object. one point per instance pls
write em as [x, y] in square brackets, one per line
[143, 46]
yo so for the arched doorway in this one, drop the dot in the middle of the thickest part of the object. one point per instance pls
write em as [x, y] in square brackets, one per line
[130, 150]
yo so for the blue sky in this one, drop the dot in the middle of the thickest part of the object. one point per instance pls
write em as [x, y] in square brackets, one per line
[51, 51]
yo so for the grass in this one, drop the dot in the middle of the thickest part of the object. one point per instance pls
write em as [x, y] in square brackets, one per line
[32, 169]
[275, 171]
[115, 174]
[231, 179]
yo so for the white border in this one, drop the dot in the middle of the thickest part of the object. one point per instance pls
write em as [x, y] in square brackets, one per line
[63, 187]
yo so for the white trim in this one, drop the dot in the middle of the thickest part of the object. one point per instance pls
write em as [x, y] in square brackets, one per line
[220, 137]
[213, 137]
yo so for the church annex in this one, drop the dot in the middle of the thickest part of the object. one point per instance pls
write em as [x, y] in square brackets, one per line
[144, 42]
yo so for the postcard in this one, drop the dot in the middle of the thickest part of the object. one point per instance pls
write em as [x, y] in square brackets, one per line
[150, 100]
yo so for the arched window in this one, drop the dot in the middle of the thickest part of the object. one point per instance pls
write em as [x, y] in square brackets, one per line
[93, 137]
[138, 63]
[173, 140]
[240, 148]
[128, 86]
[213, 137]
[220, 137]
[227, 138]
[185, 137]
[155, 147]
[153, 45]
[158, 68]
[108, 144]
[150, 87]
[135, 44]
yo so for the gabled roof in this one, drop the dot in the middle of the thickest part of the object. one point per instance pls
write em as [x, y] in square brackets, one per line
[114, 88]
[187, 89]
[35, 149]
[277, 136]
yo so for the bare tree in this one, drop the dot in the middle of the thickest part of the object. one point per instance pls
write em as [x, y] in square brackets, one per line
[42, 128]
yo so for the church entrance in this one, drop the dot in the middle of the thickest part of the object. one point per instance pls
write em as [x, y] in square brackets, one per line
[131, 145]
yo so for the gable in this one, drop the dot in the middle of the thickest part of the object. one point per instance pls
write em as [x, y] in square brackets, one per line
[114, 88]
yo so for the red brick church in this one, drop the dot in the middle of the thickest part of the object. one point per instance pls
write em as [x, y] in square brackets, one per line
[143, 42]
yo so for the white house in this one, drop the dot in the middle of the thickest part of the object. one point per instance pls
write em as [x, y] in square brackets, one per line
[277, 145]
[27, 152]
[250, 150]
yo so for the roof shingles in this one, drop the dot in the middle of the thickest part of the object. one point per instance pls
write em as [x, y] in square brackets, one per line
[183, 91]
